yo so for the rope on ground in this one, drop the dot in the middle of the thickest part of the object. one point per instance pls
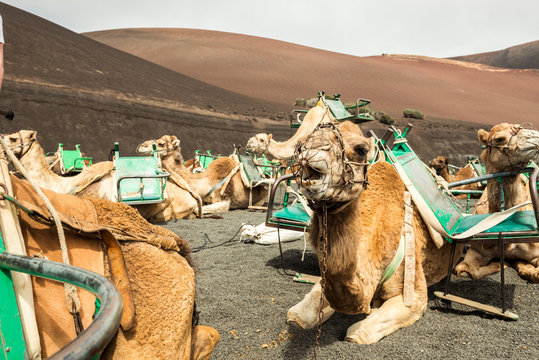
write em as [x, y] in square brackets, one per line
[72, 298]
[207, 241]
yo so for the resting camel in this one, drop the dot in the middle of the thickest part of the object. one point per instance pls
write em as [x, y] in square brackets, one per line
[441, 165]
[96, 181]
[220, 184]
[154, 276]
[264, 144]
[508, 147]
[363, 232]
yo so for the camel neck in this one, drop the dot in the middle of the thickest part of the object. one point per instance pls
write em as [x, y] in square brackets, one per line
[342, 232]
[280, 150]
[444, 172]
[36, 165]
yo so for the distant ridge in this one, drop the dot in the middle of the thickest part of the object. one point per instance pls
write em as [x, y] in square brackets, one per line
[281, 72]
[524, 56]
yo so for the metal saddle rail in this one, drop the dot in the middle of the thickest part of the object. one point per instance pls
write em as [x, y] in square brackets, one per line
[95, 337]
[291, 217]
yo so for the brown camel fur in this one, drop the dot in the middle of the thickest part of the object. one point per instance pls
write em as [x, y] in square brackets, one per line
[162, 280]
[96, 181]
[441, 165]
[206, 184]
[363, 232]
[508, 147]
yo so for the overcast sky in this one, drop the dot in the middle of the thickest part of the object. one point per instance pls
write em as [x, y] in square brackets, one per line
[440, 28]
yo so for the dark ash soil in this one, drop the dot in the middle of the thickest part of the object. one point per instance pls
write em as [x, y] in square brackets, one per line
[245, 294]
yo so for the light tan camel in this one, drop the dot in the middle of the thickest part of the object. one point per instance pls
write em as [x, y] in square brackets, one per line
[157, 322]
[508, 147]
[441, 165]
[96, 181]
[220, 184]
[363, 232]
[264, 144]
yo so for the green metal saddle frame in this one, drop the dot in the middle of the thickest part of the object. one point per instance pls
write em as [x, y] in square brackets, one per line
[205, 159]
[139, 180]
[362, 110]
[72, 161]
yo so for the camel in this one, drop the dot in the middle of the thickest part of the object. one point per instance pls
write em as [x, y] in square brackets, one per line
[362, 229]
[96, 181]
[264, 144]
[157, 322]
[220, 184]
[441, 165]
[508, 147]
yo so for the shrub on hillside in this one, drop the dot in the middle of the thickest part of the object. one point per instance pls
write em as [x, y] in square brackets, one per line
[413, 114]
[384, 118]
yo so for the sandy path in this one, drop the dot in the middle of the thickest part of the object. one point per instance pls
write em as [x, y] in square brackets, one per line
[245, 295]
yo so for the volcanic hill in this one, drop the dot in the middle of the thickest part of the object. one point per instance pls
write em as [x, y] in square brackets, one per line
[524, 56]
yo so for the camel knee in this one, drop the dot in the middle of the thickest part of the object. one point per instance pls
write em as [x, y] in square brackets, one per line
[203, 340]
[527, 271]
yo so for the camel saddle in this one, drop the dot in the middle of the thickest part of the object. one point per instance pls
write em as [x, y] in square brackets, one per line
[79, 218]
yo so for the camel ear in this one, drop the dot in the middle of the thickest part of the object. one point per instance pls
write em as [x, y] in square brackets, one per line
[447, 161]
[269, 136]
[175, 143]
[33, 135]
[372, 150]
[361, 146]
[482, 136]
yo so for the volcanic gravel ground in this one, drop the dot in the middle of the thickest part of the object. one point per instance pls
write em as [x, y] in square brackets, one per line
[243, 291]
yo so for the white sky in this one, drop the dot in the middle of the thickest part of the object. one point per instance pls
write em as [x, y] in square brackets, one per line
[439, 28]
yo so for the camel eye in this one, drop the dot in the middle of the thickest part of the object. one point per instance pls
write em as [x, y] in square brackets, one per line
[161, 143]
[500, 140]
[13, 140]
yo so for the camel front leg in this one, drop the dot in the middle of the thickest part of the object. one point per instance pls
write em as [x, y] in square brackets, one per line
[528, 271]
[388, 318]
[215, 208]
[305, 313]
[477, 265]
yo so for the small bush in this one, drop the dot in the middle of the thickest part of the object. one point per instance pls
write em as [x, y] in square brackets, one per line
[384, 118]
[413, 114]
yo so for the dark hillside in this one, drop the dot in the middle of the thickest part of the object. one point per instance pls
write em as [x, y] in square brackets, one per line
[524, 56]
[73, 89]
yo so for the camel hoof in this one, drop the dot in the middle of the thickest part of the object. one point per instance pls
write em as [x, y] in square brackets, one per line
[357, 340]
[462, 271]
[294, 325]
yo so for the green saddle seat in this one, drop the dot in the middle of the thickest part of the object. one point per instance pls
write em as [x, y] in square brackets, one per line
[519, 221]
[139, 179]
[292, 215]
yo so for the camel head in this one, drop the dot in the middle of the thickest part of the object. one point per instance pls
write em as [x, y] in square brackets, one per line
[259, 143]
[509, 147]
[166, 144]
[332, 163]
[439, 163]
[20, 142]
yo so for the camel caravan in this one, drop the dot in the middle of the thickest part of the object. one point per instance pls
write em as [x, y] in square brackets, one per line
[384, 227]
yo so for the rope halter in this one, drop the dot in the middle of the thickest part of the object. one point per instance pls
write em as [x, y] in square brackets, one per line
[322, 157]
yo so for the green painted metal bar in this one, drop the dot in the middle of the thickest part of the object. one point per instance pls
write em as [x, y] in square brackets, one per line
[489, 177]
[93, 340]
[12, 341]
